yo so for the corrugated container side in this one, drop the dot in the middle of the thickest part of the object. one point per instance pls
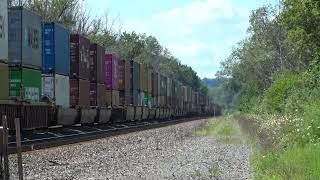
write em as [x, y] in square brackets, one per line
[4, 79]
[55, 49]
[25, 49]
[97, 69]
[155, 83]
[56, 87]
[135, 75]
[124, 98]
[98, 95]
[134, 97]
[113, 98]
[141, 98]
[79, 57]
[112, 74]
[150, 81]
[127, 76]
[3, 31]
[79, 92]
[30, 79]
[163, 85]
[143, 78]
[121, 78]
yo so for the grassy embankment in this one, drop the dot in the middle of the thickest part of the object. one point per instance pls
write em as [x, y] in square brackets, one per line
[275, 155]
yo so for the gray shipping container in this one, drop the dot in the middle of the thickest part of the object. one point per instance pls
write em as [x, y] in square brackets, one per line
[25, 40]
[3, 31]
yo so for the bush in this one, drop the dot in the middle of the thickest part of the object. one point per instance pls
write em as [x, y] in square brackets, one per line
[275, 97]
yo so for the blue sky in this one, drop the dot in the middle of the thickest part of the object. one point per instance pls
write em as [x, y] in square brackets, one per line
[201, 33]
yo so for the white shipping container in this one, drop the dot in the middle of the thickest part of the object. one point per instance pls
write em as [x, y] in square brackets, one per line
[141, 99]
[56, 88]
[4, 30]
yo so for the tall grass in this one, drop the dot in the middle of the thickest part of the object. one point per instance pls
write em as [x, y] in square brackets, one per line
[297, 163]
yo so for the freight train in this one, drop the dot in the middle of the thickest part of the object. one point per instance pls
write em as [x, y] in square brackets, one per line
[50, 77]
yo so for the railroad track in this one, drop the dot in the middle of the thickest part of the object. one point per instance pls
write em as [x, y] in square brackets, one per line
[76, 134]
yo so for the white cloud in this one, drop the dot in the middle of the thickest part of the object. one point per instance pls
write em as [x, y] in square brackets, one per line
[191, 31]
[186, 49]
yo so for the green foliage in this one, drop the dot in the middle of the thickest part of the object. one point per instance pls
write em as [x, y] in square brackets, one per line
[275, 97]
[296, 164]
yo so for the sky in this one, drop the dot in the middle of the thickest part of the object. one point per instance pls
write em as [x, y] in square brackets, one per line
[201, 33]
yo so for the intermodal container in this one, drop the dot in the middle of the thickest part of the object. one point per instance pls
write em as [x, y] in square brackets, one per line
[147, 99]
[79, 92]
[98, 97]
[143, 78]
[155, 84]
[135, 75]
[134, 97]
[79, 57]
[113, 98]
[56, 87]
[4, 79]
[150, 81]
[189, 89]
[97, 69]
[170, 85]
[163, 85]
[124, 98]
[25, 40]
[112, 74]
[122, 74]
[141, 98]
[127, 76]
[3, 31]
[55, 49]
[25, 83]
[185, 93]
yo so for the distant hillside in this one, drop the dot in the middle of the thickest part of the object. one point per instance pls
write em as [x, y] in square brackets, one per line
[211, 83]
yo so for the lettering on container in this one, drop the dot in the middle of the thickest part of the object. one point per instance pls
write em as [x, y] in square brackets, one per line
[31, 93]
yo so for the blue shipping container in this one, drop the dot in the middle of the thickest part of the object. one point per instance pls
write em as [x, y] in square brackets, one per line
[56, 49]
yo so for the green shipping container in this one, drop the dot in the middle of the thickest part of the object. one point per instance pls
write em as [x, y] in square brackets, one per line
[147, 99]
[25, 83]
[4, 78]
[163, 85]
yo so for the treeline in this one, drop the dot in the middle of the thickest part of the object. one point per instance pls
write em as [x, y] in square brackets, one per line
[107, 32]
[272, 77]
[279, 46]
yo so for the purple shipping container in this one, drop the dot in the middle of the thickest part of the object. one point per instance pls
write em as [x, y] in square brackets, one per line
[112, 75]
[79, 57]
[97, 69]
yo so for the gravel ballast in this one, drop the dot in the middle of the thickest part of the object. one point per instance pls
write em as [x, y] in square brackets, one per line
[165, 153]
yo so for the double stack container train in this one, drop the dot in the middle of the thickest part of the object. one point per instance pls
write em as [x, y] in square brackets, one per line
[51, 77]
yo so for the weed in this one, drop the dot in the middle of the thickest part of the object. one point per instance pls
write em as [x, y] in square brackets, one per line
[214, 171]
[198, 173]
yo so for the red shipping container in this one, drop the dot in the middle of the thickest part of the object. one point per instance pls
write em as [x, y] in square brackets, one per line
[79, 57]
[111, 75]
[79, 92]
[97, 69]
